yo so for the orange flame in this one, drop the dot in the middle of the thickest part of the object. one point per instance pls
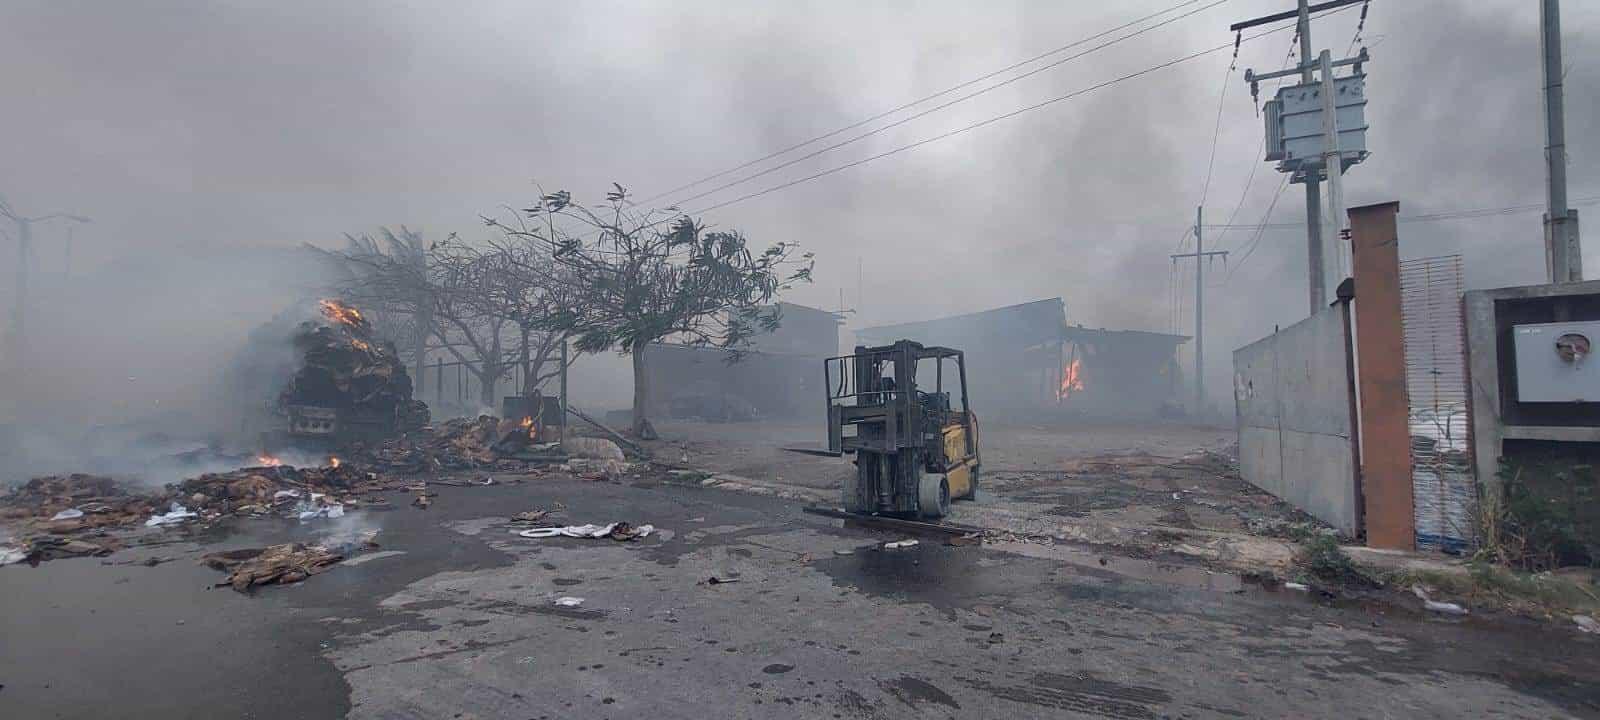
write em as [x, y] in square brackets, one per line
[333, 462]
[265, 460]
[341, 313]
[361, 345]
[533, 430]
[1071, 379]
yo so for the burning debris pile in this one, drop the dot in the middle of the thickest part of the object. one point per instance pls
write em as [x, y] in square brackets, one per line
[349, 383]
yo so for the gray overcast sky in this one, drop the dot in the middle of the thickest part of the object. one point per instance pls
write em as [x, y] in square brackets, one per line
[192, 127]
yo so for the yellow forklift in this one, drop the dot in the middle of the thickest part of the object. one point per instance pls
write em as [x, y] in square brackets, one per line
[913, 450]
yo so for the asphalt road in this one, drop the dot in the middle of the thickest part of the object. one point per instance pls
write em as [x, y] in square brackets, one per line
[458, 620]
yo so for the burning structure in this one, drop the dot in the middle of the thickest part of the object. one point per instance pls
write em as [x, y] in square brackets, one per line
[349, 385]
[1026, 359]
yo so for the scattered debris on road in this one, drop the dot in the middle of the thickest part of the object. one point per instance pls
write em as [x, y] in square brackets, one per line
[275, 565]
[47, 547]
[42, 502]
[531, 516]
[569, 601]
[616, 531]
[1436, 606]
[899, 544]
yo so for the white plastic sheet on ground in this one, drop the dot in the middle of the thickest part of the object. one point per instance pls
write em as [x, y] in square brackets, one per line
[9, 555]
[319, 506]
[175, 514]
[584, 531]
[67, 514]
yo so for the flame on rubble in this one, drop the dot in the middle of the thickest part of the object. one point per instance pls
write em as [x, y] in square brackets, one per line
[341, 313]
[265, 460]
[361, 345]
[1071, 379]
[333, 462]
[533, 429]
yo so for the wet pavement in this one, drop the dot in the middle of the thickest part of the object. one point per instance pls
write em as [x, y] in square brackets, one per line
[458, 620]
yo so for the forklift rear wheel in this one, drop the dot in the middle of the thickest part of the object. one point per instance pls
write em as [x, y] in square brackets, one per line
[933, 497]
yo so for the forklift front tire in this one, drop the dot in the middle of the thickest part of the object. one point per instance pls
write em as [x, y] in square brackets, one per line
[933, 497]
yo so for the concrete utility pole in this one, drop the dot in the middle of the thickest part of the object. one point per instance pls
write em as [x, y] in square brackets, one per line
[17, 342]
[1563, 253]
[1333, 160]
[1314, 251]
[1199, 256]
[1317, 286]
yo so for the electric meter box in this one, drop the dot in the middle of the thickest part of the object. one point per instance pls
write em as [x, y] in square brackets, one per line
[1555, 362]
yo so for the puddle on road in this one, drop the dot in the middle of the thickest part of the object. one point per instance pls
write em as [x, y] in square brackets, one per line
[1170, 573]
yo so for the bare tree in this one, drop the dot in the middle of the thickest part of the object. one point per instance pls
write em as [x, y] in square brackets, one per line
[488, 305]
[389, 280]
[514, 283]
[638, 277]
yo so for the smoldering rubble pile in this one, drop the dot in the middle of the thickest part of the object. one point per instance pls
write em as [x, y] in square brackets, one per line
[343, 366]
[486, 443]
[458, 444]
[72, 515]
[280, 490]
[83, 506]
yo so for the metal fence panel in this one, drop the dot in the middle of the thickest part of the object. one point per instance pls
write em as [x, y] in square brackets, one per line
[1443, 483]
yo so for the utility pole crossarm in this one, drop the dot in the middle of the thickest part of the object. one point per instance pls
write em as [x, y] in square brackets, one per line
[1357, 60]
[1200, 254]
[1290, 14]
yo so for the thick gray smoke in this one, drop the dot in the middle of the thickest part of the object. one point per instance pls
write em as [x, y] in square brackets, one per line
[206, 140]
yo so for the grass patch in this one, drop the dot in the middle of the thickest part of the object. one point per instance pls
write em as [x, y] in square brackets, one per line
[1546, 516]
[1322, 559]
[1544, 594]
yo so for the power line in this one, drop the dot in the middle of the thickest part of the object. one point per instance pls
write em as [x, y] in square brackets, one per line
[942, 106]
[1216, 132]
[1260, 229]
[1436, 217]
[982, 123]
[1250, 180]
[919, 101]
[1360, 26]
